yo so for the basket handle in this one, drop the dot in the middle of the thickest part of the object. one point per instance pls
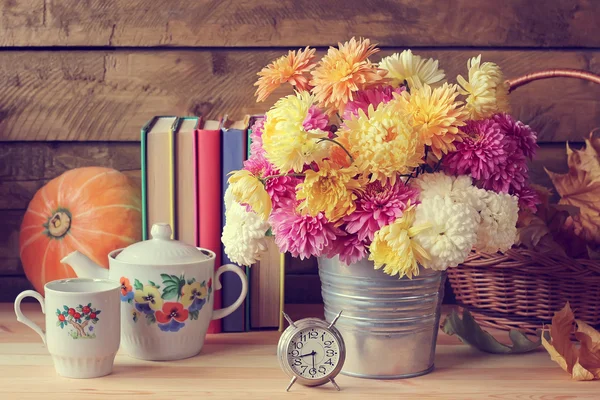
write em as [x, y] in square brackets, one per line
[552, 73]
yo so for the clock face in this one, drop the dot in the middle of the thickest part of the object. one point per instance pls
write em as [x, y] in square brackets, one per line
[313, 353]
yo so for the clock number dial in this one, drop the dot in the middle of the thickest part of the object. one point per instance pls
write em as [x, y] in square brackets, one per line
[313, 353]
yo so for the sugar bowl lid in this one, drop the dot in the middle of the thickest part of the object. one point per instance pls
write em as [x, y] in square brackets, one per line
[162, 250]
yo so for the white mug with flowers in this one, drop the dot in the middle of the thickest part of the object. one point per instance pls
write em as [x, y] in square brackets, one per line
[382, 160]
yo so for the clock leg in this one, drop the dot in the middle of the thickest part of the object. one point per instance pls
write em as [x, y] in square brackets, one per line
[334, 384]
[291, 383]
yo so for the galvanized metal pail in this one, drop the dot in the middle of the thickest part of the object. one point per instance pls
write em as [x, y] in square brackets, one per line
[389, 325]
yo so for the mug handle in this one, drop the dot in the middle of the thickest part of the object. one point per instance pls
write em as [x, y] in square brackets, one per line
[223, 312]
[23, 319]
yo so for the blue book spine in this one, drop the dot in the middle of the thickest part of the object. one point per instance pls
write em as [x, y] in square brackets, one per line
[233, 154]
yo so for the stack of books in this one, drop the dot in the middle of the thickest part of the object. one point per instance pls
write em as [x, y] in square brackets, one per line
[185, 167]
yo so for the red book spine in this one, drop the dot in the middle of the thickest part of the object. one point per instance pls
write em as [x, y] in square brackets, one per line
[209, 203]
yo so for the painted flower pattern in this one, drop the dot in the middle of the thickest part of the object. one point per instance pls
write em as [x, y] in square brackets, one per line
[193, 296]
[126, 289]
[148, 299]
[170, 304]
[78, 319]
[172, 317]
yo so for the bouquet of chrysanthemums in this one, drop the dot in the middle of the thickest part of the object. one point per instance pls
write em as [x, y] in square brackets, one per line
[382, 160]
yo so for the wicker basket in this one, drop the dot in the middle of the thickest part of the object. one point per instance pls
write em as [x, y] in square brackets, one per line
[522, 289]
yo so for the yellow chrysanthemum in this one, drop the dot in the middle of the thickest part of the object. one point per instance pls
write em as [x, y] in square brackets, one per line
[394, 250]
[486, 90]
[415, 70]
[384, 142]
[437, 115]
[345, 70]
[248, 189]
[331, 190]
[287, 144]
[291, 68]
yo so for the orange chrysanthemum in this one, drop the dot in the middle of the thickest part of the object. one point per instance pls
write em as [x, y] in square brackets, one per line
[343, 71]
[291, 68]
[437, 114]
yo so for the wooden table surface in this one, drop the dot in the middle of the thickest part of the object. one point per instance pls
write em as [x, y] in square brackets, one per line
[244, 366]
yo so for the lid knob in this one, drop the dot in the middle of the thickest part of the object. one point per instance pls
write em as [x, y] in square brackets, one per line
[161, 231]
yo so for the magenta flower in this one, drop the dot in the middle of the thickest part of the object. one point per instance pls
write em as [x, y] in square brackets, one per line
[528, 198]
[315, 119]
[349, 248]
[302, 235]
[480, 152]
[525, 137]
[511, 174]
[379, 205]
[375, 96]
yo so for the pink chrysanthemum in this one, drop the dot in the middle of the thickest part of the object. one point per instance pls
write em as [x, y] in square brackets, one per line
[528, 198]
[258, 165]
[510, 175]
[302, 235]
[349, 248]
[379, 205]
[256, 147]
[526, 138]
[480, 152]
[315, 119]
[364, 98]
[281, 189]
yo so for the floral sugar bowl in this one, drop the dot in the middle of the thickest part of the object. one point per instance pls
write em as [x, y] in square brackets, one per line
[167, 290]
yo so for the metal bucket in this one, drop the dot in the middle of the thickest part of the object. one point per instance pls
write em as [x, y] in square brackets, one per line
[389, 325]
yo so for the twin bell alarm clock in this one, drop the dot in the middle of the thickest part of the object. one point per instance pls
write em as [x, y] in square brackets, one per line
[311, 351]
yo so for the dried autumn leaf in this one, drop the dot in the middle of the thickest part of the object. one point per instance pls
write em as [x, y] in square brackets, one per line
[555, 355]
[588, 358]
[589, 331]
[533, 233]
[589, 351]
[580, 189]
[581, 374]
[582, 363]
[586, 159]
[561, 349]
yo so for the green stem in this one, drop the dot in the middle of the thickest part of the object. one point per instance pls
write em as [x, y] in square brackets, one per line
[339, 144]
[437, 165]
[280, 175]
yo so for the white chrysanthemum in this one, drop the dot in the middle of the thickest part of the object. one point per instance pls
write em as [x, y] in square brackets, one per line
[412, 68]
[243, 234]
[486, 90]
[497, 230]
[451, 234]
[459, 188]
[228, 198]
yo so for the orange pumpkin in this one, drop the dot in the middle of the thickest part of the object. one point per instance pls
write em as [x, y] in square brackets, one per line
[94, 210]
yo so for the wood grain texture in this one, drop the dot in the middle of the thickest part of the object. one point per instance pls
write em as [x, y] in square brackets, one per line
[267, 23]
[108, 95]
[244, 366]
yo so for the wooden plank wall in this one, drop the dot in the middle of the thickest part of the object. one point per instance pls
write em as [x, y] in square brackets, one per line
[79, 78]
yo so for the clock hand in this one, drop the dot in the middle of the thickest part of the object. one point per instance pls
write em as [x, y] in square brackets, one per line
[307, 354]
[313, 360]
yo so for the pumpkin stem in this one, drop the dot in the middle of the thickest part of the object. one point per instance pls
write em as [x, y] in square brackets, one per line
[59, 223]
